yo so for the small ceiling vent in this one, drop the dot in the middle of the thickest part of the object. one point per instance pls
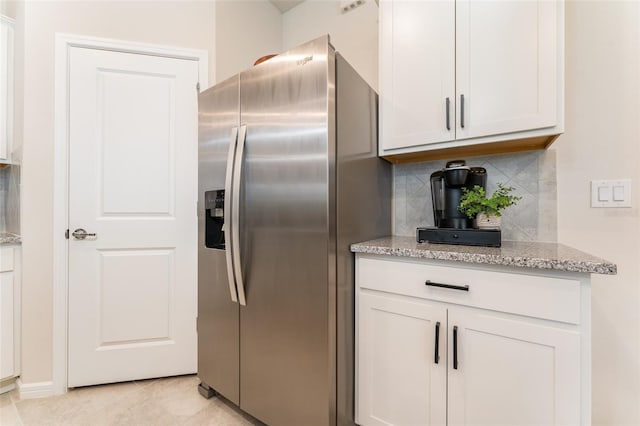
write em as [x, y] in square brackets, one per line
[349, 5]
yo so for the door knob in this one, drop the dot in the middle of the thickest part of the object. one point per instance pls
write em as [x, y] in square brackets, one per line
[81, 234]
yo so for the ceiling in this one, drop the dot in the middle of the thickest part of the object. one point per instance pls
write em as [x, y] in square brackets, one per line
[285, 5]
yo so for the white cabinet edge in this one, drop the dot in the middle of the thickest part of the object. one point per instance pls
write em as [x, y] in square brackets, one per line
[7, 63]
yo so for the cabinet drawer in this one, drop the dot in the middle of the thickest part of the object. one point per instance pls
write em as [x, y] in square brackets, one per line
[6, 259]
[551, 298]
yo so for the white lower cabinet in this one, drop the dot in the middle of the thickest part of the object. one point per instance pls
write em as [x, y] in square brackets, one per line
[511, 371]
[423, 360]
[400, 382]
[9, 312]
[6, 325]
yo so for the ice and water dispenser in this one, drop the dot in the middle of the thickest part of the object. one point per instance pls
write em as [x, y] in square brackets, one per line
[214, 219]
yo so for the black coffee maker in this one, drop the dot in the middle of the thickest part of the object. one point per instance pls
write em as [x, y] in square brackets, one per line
[446, 191]
[451, 225]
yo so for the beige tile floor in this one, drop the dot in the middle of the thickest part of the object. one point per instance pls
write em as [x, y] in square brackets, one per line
[168, 401]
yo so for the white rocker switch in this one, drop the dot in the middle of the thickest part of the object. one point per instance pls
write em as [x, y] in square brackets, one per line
[604, 193]
[618, 193]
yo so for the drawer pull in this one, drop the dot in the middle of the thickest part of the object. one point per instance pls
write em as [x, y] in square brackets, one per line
[455, 347]
[449, 286]
[436, 356]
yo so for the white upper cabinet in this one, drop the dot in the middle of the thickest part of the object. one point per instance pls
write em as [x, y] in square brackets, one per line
[462, 73]
[506, 55]
[417, 72]
[6, 87]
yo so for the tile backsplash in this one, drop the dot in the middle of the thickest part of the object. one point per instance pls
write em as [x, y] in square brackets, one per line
[532, 174]
[10, 199]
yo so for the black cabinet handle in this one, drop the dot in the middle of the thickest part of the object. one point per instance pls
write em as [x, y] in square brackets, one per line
[449, 286]
[436, 355]
[455, 347]
[462, 111]
[448, 102]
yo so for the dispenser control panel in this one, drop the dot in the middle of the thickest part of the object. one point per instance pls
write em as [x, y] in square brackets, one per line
[214, 219]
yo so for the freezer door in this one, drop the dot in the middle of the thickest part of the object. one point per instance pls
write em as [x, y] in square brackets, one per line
[218, 314]
[287, 361]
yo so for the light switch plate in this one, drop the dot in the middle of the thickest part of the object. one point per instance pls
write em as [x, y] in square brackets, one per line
[611, 193]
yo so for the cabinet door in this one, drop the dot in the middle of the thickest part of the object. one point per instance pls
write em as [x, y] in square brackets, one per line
[506, 66]
[417, 71]
[6, 325]
[512, 372]
[398, 380]
[6, 86]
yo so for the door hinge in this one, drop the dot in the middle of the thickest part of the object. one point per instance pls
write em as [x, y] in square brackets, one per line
[198, 87]
[66, 234]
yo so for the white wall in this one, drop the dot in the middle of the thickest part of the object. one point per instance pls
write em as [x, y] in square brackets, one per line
[188, 24]
[246, 30]
[353, 34]
[602, 141]
[8, 8]
[249, 29]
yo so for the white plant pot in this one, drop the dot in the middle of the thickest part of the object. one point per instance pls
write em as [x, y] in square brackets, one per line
[488, 222]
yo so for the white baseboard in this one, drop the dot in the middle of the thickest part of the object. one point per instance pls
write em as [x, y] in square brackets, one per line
[34, 390]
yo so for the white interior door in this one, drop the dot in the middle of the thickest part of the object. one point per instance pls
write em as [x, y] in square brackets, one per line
[132, 182]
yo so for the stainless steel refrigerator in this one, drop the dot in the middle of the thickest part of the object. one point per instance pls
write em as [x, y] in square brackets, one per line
[288, 178]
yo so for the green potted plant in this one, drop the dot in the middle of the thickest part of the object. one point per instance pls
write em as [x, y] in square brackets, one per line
[487, 210]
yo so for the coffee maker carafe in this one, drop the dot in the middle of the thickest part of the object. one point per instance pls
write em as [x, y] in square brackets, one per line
[446, 191]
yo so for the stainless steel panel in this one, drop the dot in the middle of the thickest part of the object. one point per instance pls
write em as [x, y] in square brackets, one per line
[363, 210]
[285, 238]
[331, 266]
[218, 315]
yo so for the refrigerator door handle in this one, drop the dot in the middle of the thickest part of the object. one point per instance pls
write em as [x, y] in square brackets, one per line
[235, 215]
[229, 223]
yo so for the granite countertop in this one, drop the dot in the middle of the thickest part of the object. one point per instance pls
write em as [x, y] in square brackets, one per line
[6, 238]
[518, 254]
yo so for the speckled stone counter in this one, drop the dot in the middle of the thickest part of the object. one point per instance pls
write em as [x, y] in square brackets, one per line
[512, 253]
[6, 238]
